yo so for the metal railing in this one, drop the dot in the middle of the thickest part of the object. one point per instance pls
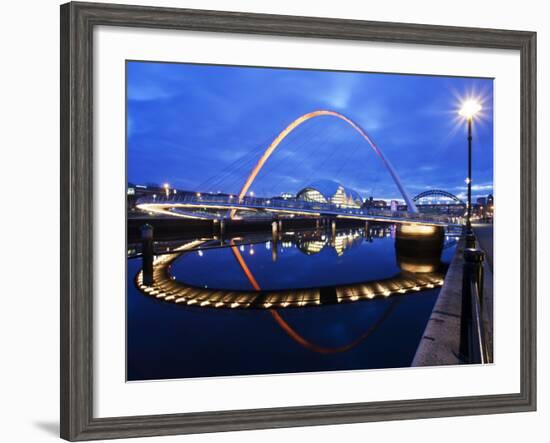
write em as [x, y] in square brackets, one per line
[291, 204]
[473, 340]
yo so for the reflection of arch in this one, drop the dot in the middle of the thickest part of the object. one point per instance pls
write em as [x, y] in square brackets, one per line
[291, 332]
[438, 193]
[275, 143]
[324, 350]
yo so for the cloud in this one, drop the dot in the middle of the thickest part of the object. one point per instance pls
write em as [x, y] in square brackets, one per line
[147, 92]
[339, 98]
[190, 122]
[476, 187]
[486, 187]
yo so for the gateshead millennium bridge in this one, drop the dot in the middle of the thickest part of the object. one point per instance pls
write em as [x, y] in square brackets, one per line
[187, 206]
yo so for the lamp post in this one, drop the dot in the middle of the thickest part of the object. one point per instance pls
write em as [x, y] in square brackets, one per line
[468, 110]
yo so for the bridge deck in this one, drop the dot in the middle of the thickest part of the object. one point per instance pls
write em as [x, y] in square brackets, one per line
[184, 208]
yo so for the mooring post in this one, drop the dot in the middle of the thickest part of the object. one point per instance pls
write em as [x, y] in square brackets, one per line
[215, 228]
[274, 241]
[147, 253]
[222, 229]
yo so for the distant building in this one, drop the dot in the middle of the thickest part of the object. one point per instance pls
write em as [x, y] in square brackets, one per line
[376, 204]
[490, 207]
[483, 208]
[152, 190]
[329, 191]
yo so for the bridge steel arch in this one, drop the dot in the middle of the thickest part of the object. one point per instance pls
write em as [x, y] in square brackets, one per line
[440, 193]
[277, 141]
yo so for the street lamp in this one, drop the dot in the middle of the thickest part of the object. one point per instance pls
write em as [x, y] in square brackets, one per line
[166, 187]
[468, 110]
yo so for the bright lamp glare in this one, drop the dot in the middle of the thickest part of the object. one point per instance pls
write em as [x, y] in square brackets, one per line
[469, 108]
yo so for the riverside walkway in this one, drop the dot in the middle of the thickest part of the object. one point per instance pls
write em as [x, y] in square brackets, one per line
[440, 342]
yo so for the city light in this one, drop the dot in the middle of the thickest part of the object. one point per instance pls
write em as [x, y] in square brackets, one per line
[469, 108]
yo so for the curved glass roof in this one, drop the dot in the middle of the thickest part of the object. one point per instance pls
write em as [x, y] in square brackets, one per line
[327, 188]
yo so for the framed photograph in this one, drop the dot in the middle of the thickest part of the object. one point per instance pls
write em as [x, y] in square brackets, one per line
[273, 221]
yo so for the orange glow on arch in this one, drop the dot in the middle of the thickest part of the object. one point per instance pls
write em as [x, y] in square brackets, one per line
[244, 266]
[275, 143]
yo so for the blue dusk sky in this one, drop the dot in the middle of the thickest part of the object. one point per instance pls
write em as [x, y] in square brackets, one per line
[202, 128]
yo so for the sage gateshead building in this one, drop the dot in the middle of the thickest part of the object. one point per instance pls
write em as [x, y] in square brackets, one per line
[329, 191]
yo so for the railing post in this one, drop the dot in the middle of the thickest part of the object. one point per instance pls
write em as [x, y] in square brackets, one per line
[473, 259]
[477, 258]
[147, 254]
[466, 312]
[472, 340]
[470, 240]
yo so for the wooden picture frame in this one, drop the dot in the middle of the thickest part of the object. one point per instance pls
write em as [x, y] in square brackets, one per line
[77, 218]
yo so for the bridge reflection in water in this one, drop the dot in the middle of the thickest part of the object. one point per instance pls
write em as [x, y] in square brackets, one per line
[417, 250]
[395, 269]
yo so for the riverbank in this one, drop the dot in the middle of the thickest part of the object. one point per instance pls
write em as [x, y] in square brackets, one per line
[441, 339]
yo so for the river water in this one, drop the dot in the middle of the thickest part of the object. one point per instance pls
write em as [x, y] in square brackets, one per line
[167, 340]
